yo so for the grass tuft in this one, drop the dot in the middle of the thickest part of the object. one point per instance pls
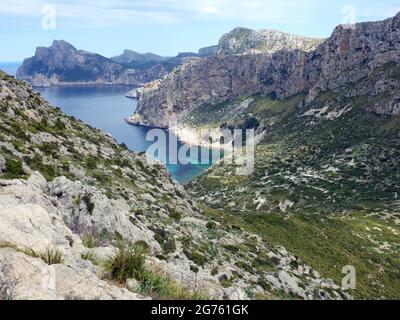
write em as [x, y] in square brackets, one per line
[49, 255]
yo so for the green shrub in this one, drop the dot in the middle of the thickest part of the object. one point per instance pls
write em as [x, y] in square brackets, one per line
[196, 257]
[90, 256]
[176, 215]
[14, 168]
[59, 125]
[128, 263]
[214, 271]
[89, 204]
[211, 225]
[89, 241]
[91, 163]
[169, 246]
[164, 288]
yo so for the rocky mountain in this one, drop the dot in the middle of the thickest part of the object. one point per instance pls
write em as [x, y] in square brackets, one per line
[208, 51]
[347, 57]
[131, 58]
[245, 41]
[326, 180]
[63, 64]
[75, 205]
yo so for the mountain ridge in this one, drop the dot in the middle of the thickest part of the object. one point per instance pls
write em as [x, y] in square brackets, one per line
[347, 56]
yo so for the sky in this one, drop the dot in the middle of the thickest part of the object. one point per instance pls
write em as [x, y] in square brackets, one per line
[167, 27]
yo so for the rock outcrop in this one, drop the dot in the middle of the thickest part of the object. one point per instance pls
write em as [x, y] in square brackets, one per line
[348, 56]
[247, 41]
[63, 64]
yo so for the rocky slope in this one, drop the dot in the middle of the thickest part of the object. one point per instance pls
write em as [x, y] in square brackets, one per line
[69, 196]
[347, 57]
[325, 183]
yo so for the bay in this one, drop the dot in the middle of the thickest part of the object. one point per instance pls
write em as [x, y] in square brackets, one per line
[105, 107]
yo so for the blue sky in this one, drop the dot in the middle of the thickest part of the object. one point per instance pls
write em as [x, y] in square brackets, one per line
[168, 26]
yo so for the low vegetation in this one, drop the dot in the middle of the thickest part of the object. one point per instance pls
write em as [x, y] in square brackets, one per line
[130, 263]
[50, 255]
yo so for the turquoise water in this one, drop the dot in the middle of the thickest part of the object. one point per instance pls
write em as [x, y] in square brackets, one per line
[106, 107]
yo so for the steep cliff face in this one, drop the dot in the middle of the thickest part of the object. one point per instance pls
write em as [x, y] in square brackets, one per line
[63, 64]
[348, 56]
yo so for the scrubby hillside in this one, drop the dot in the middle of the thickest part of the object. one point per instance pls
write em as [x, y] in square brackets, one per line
[326, 180]
[75, 207]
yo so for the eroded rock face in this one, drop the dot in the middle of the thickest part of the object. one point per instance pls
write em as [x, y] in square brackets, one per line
[90, 212]
[348, 56]
[244, 41]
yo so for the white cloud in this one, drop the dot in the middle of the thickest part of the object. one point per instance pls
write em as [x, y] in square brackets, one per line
[96, 13]
[209, 8]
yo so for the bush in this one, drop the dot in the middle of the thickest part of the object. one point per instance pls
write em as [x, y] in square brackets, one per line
[89, 241]
[90, 256]
[164, 288]
[176, 215]
[89, 204]
[211, 225]
[91, 163]
[128, 263]
[14, 168]
[196, 257]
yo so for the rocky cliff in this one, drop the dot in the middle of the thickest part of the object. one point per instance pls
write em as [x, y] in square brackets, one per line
[63, 64]
[349, 55]
[73, 201]
[245, 41]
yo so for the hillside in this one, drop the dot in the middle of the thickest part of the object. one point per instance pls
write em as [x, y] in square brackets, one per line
[72, 202]
[325, 184]
[326, 176]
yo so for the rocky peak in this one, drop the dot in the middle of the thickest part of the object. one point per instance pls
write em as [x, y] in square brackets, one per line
[62, 45]
[130, 56]
[242, 41]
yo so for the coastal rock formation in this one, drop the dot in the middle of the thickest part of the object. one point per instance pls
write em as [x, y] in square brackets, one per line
[348, 56]
[63, 64]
